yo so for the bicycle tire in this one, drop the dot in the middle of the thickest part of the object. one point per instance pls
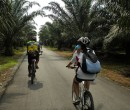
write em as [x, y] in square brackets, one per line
[88, 97]
[32, 78]
[33, 73]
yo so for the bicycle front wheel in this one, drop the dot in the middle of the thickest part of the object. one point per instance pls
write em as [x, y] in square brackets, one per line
[88, 101]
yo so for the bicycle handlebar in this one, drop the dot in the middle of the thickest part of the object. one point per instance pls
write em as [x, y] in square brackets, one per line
[72, 67]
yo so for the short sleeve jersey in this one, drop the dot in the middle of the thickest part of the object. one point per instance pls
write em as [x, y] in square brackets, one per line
[77, 57]
[32, 46]
[80, 74]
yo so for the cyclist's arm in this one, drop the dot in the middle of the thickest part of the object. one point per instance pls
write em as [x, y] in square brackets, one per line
[73, 60]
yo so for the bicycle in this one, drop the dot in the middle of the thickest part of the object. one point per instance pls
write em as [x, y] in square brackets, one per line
[32, 68]
[86, 99]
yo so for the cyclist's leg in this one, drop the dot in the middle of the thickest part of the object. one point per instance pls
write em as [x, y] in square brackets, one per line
[37, 60]
[76, 87]
[29, 64]
[87, 85]
[76, 82]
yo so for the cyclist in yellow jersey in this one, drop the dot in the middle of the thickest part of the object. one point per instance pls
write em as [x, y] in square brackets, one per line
[33, 47]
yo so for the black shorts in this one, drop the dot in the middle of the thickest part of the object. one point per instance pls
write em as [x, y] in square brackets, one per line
[79, 80]
[30, 57]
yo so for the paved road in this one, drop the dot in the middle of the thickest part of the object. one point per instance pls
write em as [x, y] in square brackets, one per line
[52, 89]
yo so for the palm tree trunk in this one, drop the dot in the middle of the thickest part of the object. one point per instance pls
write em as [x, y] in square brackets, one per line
[127, 50]
[8, 47]
[59, 44]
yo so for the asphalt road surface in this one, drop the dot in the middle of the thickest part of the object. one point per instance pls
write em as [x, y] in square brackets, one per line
[52, 88]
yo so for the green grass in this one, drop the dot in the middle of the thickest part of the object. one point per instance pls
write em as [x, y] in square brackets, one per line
[9, 62]
[51, 48]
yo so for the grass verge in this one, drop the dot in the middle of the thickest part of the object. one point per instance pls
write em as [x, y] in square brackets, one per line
[6, 63]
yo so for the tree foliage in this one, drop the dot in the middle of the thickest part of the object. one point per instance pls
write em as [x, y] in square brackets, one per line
[13, 19]
[74, 18]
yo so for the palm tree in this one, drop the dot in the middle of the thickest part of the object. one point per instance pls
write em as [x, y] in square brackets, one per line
[51, 34]
[74, 18]
[120, 30]
[25, 34]
[101, 21]
[17, 18]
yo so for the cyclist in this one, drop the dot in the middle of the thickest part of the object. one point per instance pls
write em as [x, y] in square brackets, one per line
[40, 43]
[33, 50]
[40, 46]
[77, 58]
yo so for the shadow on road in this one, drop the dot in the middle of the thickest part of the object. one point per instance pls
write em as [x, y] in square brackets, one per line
[35, 86]
[7, 98]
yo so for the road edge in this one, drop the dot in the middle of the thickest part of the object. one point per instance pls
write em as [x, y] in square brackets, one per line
[5, 84]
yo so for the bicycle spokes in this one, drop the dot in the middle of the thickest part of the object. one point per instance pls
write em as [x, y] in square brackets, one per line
[88, 101]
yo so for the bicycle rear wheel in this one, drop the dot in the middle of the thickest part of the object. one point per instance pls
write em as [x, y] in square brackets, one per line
[32, 79]
[33, 73]
[88, 101]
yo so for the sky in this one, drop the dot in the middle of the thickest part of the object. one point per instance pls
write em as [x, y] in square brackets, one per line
[42, 20]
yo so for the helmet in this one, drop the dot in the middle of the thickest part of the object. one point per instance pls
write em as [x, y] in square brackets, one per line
[33, 38]
[84, 40]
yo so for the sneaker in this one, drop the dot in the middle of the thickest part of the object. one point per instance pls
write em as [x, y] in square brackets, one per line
[29, 75]
[37, 67]
[77, 101]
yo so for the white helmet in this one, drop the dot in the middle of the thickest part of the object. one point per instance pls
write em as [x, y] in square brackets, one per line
[84, 40]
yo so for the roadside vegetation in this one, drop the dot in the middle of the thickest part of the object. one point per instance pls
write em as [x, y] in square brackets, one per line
[8, 62]
[16, 24]
[16, 28]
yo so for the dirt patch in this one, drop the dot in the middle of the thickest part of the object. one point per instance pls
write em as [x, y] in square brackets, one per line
[5, 75]
[64, 54]
[116, 76]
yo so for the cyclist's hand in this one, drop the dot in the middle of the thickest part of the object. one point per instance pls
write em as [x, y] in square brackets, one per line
[68, 66]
